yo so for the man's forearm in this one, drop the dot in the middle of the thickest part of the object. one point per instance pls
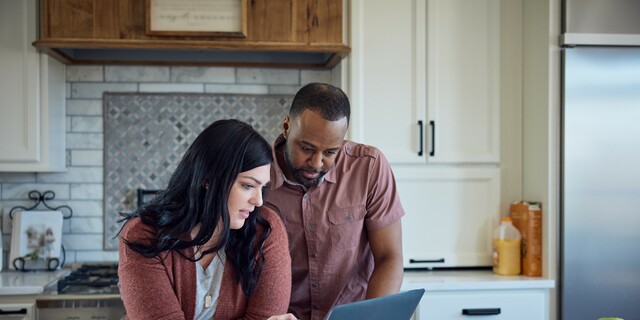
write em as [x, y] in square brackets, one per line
[386, 278]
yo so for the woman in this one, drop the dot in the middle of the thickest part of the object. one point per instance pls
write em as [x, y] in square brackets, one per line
[203, 249]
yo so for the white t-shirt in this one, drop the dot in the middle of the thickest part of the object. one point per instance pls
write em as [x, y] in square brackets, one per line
[208, 289]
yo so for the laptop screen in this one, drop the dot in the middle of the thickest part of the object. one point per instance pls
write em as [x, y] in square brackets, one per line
[397, 306]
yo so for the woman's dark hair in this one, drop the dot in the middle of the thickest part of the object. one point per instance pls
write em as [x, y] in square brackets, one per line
[216, 157]
[328, 101]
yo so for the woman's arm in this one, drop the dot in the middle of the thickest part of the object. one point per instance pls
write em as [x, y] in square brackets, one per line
[272, 293]
[144, 283]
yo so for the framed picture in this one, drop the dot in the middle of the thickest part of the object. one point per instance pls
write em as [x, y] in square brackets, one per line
[36, 236]
[226, 18]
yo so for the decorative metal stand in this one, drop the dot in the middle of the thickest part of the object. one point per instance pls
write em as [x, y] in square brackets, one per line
[42, 198]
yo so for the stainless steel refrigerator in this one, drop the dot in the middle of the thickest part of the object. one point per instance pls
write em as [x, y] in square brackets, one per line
[600, 206]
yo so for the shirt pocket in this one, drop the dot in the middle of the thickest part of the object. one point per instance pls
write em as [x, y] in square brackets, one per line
[346, 226]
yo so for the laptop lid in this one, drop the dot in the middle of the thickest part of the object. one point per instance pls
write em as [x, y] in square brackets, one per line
[397, 306]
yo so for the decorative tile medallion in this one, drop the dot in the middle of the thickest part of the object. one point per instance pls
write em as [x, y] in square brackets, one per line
[145, 136]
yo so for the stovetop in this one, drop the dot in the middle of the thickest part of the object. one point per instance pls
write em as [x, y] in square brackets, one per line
[91, 279]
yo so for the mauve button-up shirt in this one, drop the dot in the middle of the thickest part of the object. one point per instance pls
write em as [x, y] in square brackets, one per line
[331, 261]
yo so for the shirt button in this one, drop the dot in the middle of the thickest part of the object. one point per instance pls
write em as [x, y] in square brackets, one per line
[315, 285]
[306, 196]
[309, 226]
[315, 306]
[313, 255]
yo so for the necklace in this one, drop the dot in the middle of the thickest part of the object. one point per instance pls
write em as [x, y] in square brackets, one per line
[214, 271]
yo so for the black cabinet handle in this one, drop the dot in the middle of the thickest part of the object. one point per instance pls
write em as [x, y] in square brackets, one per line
[481, 312]
[21, 311]
[433, 138]
[420, 130]
[426, 261]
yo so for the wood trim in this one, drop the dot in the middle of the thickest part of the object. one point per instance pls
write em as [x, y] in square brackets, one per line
[190, 45]
[203, 64]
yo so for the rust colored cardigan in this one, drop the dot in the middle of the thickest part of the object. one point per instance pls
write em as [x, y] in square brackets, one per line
[160, 288]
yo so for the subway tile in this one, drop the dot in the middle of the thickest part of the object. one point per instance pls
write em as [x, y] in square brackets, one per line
[308, 76]
[73, 175]
[136, 74]
[203, 74]
[84, 107]
[67, 124]
[86, 208]
[87, 191]
[268, 76]
[12, 191]
[96, 90]
[283, 89]
[86, 225]
[66, 226]
[85, 140]
[171, 87]
[237, 88]
[86, 158]
[82, 241]
[67, 89]
[17, 177]
[77, 73]
[69, 256]
[86, 124]
[67, 157]
[97, 256]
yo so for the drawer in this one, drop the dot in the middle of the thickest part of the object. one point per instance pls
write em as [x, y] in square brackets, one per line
[500, 304]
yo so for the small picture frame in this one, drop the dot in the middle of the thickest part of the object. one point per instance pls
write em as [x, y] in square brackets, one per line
[194, 18]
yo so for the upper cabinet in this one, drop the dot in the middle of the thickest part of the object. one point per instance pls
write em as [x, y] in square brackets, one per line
[424, 79]
[284, 33]
[32, 125]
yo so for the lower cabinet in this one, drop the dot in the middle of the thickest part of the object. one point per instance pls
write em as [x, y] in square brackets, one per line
[479, 294]
[488, 304]
[17, 308]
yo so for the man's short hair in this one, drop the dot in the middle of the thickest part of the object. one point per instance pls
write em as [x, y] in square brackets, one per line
[330, 102]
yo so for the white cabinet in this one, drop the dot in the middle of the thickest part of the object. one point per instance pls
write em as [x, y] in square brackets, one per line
[490, 304]
[450, 213]
[424, 79]
[17, 308]
[477, 294]
[32, 101]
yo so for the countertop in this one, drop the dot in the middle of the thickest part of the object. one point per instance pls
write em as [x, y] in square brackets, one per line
[27, 283]
[440, 280]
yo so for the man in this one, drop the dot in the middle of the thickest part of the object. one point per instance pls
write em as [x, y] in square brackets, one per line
[340, 206]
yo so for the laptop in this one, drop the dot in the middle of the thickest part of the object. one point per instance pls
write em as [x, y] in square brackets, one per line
[397, 306]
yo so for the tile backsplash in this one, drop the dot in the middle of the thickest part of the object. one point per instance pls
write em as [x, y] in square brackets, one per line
[82, 185]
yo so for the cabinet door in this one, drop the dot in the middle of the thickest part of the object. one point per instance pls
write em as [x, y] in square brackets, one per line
[387, 78]
[32, 91]
[463, 81]
[424, 79]
[17, 311]
[19, 85]
[450, 214]
[500, 304]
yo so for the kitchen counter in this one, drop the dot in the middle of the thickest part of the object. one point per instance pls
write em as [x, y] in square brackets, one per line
[27, 283]
[470, 280]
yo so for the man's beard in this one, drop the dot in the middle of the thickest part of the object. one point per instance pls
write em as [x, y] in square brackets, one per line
[297, 176]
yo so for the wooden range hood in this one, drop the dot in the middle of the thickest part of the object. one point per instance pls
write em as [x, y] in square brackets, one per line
[279, 33]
